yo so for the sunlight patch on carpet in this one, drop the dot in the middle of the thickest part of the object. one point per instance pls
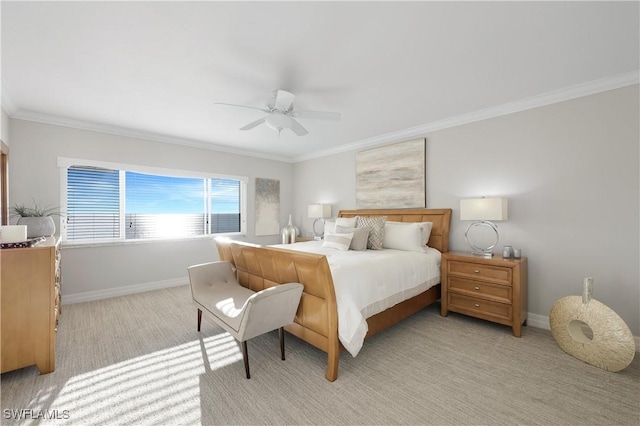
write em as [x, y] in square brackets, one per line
[143, 390]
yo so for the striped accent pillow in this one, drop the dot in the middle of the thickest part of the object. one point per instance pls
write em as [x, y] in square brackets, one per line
[337, 241]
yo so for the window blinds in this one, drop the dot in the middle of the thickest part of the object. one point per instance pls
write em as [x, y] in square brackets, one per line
[104, 204]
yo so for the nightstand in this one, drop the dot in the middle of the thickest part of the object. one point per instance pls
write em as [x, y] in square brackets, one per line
[303, 239]
[494, 289]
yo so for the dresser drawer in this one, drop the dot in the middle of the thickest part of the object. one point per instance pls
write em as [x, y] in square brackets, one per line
[495, 274]
[499, 293]
[480, 307]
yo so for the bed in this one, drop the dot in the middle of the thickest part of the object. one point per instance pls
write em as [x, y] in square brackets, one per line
[316, 320]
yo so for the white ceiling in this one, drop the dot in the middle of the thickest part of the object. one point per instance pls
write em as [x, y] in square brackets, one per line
[155, 69]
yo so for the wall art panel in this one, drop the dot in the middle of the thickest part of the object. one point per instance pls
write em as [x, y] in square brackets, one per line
[392, 176]
[267, 206]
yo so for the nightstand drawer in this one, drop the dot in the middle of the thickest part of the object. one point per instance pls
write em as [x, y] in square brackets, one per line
[479, 306]
[483, 272]
[499, 293]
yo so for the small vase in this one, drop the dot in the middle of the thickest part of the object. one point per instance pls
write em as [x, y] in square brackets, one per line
[289, 233]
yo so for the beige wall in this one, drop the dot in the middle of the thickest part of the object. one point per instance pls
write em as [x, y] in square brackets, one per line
[570, 171]
[100, 271]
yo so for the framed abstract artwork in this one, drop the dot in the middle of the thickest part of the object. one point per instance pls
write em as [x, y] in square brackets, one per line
[392, 176]
[267, 206]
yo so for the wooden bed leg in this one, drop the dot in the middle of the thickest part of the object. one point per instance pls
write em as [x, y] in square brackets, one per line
[333, 358]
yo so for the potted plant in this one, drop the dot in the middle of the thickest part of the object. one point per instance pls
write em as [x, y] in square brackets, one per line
[39, 220]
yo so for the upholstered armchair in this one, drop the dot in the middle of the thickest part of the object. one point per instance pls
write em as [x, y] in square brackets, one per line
[242, 312]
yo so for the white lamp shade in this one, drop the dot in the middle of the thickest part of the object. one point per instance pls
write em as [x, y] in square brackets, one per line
[319, 210]
[484, 209]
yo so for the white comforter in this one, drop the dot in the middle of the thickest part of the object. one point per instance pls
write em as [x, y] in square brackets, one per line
[368, 282]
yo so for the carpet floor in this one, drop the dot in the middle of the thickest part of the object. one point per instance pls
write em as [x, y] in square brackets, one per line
[138, 359]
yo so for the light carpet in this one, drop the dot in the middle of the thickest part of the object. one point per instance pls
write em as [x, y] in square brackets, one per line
[138, 359]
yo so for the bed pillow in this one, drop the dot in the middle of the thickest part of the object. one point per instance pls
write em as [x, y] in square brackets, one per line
[376, 230]
[360, 237]
[337, 241]
[406, 237]
[426, 229]
[347, 222]
[330, 226]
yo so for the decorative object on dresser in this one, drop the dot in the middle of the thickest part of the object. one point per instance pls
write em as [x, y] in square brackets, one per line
[289, 233]
[494, 289]
[38, 220]
[591, 331]
[392, 176]
[30, 281]
[318, 212]
[482, 211]
[13, 234]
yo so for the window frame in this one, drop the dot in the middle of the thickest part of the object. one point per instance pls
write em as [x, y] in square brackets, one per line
[64, 163]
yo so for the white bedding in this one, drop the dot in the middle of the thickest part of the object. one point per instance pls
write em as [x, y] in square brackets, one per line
[368, 282]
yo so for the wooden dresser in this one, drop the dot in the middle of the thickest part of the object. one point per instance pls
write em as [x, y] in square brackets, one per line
[494, 289]
[30, 301]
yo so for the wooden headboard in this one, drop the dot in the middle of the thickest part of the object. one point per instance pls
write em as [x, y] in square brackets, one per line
[441, 219]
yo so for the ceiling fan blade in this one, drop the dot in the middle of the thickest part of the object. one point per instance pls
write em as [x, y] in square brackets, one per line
[253, 124]
[283, 100]
[318, 115]
[297, 128]
[241, 106]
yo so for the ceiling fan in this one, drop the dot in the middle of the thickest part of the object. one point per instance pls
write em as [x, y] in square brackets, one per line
[282, 114]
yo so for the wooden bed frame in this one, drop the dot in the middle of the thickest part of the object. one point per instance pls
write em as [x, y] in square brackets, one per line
[316, 320]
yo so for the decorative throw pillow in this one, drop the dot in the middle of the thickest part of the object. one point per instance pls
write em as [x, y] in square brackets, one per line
[425, 229]
[337, 241]
[360, 237]
[347, 222]
[330, 226]
[403, 237]
[376, 230]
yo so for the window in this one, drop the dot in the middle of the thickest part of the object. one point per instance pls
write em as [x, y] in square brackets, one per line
[110, 204]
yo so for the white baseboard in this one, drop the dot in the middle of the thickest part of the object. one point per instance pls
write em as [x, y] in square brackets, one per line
[538, 321]
[88, 296]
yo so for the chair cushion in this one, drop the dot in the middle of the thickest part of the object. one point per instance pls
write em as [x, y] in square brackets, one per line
[226, 301]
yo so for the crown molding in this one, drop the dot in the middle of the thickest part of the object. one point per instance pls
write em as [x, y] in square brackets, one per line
[548, 98]
[139, 134]
[556, 96]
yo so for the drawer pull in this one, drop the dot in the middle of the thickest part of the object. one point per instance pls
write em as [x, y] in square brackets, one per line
[476, 288]
[476, 271]
[476, 305]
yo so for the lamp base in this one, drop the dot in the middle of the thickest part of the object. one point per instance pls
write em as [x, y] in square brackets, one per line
[318, 235]
[487, 251]
[486, 255]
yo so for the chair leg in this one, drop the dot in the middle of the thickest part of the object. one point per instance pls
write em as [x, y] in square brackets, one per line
[199, 318]
[281, 335]
[245, 357]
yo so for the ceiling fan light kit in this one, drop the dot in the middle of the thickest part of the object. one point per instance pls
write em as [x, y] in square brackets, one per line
[281, 113]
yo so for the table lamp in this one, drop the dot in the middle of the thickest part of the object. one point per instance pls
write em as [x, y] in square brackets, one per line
[483, 211]
[318, 212]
